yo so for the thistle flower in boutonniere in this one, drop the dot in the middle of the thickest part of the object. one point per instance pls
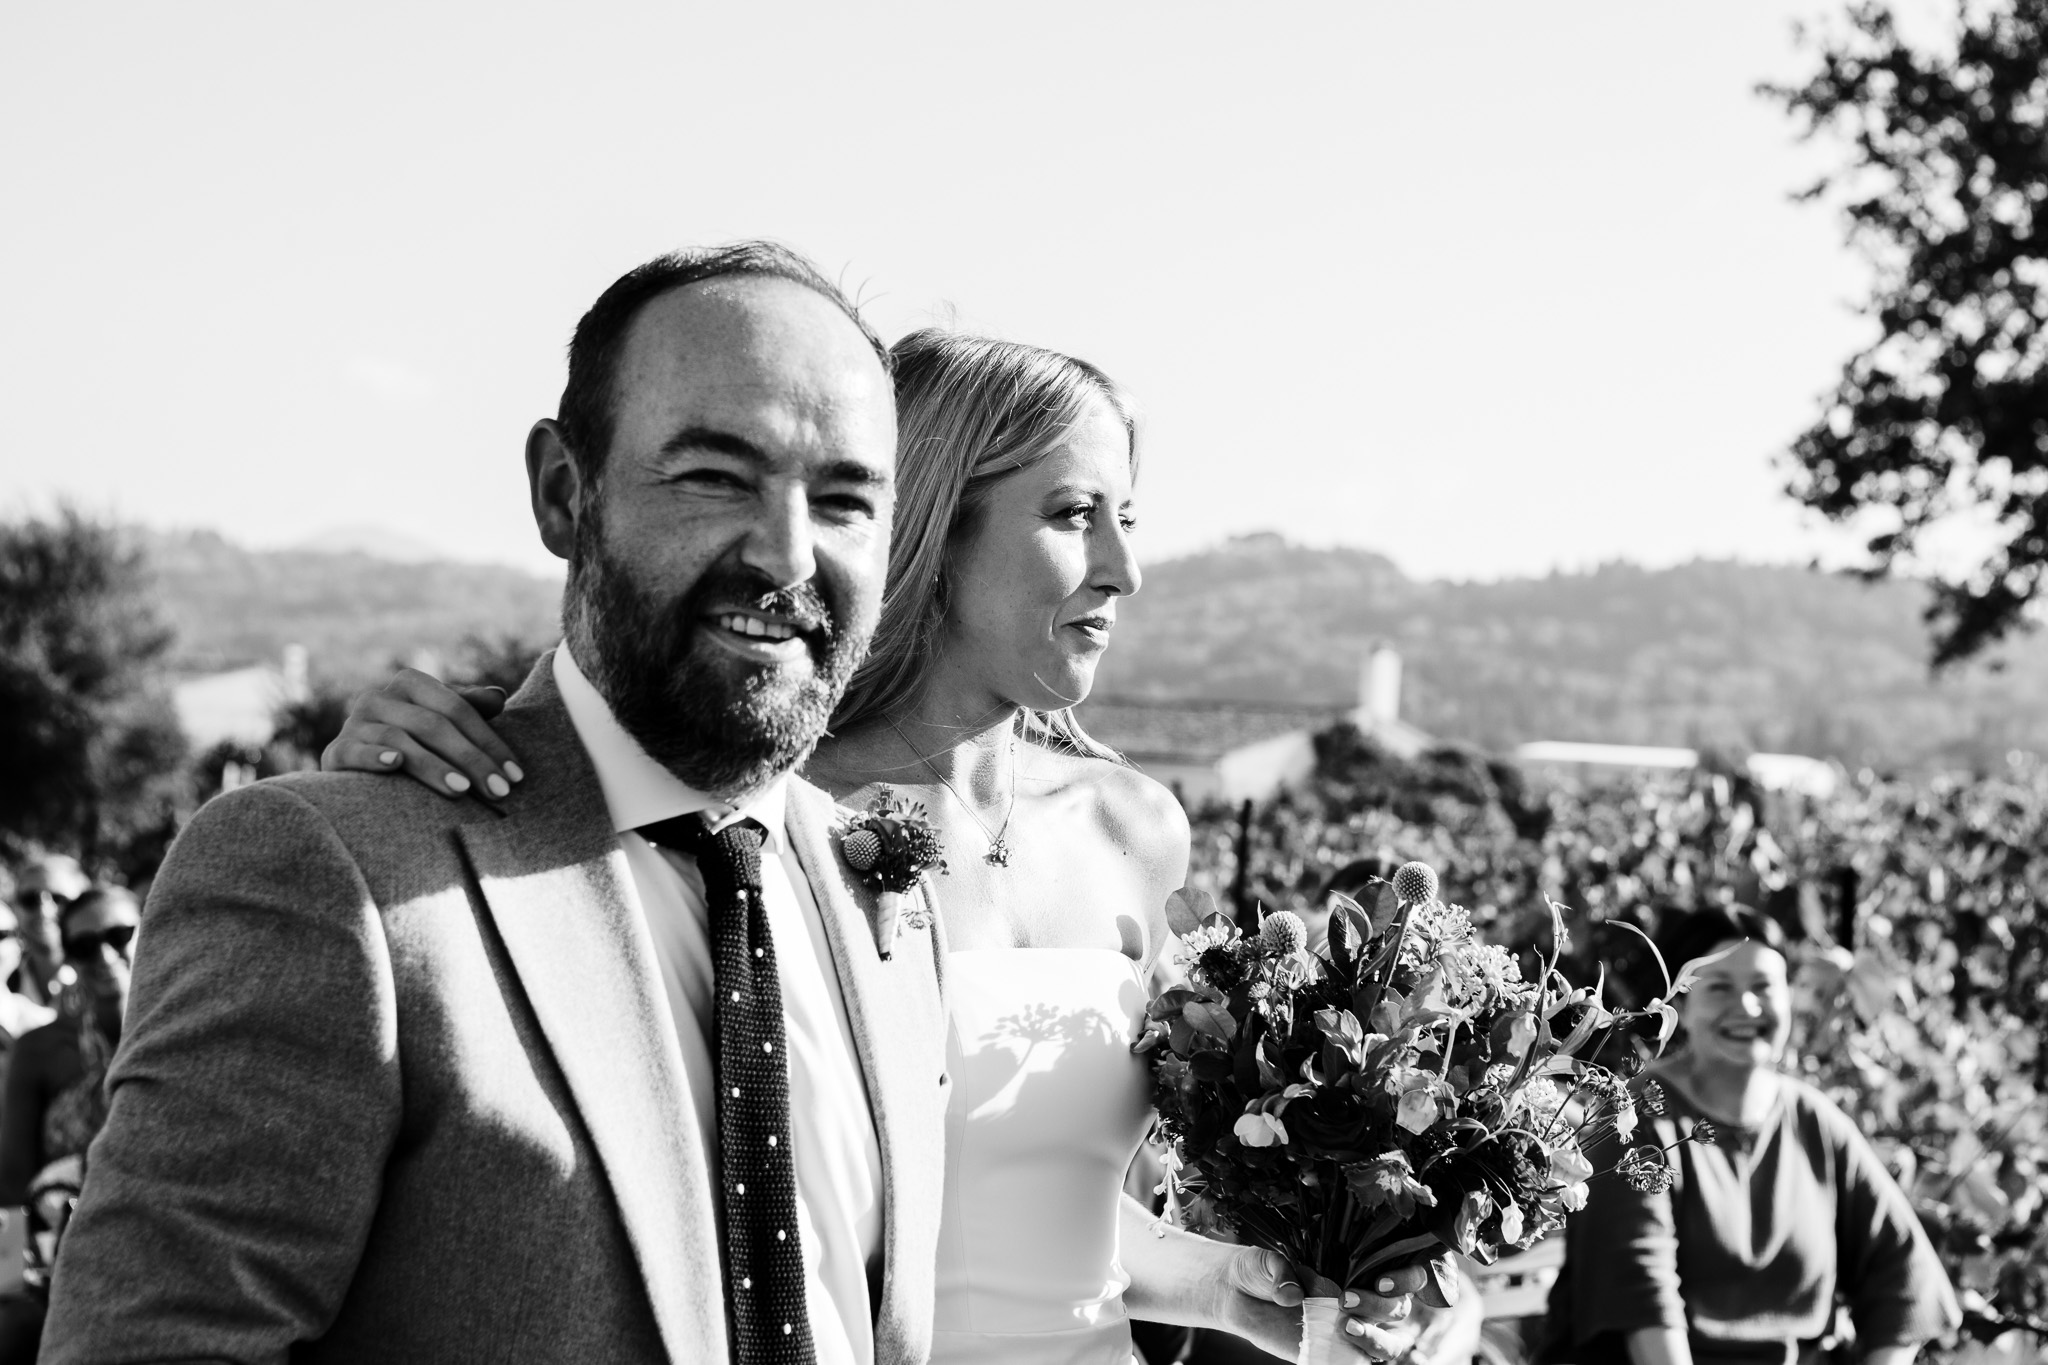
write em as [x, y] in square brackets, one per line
[890, 847]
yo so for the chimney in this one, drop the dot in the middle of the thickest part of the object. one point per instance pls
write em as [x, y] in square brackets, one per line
[1379, 687]
[297, 684]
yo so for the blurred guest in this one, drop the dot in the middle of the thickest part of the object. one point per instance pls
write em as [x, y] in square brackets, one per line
[1745, 1251]
[41, 888]
[18, 1013]
[56, 1096]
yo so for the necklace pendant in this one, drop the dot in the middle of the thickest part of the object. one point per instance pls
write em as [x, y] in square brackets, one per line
[998, 854]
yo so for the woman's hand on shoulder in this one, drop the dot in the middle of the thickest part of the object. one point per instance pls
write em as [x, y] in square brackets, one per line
[436, 734]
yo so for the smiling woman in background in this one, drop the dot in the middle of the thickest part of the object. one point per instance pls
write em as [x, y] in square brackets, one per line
[1788, 1211]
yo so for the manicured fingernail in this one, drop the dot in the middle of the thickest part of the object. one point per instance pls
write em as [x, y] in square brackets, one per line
[515, 772]
[388, 757]
[1386, 1284]
[1351, 1298]
[498, 785]
[1353, 1327]
[457, 782]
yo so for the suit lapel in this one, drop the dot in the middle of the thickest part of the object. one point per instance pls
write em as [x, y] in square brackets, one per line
[893, 1009]
[562, 900]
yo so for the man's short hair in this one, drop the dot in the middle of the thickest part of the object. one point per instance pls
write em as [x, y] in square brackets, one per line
[587, 416]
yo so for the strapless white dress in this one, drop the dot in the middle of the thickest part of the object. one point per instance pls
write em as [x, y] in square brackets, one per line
[1048, 1108]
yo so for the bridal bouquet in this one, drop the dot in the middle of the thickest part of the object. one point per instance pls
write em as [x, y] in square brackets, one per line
[1404, 1094]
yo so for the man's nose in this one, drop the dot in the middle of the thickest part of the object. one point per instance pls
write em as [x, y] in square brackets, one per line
[780, 543]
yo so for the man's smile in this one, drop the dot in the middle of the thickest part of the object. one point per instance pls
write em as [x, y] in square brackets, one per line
[759, 627]
[758, 637]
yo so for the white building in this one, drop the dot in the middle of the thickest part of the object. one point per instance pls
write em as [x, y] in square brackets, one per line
[1773, 772]
[241, 704]
[1237, 751]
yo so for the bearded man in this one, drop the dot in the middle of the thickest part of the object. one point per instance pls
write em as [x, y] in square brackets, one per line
[414, 1080]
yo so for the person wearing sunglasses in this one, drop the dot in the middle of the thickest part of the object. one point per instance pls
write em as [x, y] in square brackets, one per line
[43, 885]
[56, 1092]
[19, 1014]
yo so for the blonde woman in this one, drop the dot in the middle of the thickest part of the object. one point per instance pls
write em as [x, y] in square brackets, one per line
[1012, 553]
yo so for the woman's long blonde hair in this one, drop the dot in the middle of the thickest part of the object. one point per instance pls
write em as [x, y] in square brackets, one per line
[970, 411]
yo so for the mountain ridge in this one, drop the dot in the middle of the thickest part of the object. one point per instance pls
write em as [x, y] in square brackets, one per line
[1711, 653]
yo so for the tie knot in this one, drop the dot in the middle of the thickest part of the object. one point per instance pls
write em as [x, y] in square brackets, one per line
[734, 849]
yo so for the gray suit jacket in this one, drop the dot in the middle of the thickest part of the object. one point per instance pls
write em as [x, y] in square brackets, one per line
[399, 1083]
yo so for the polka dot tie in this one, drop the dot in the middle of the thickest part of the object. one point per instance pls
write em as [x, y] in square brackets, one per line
[764, 1268]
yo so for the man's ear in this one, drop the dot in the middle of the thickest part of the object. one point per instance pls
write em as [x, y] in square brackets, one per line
[554, 480]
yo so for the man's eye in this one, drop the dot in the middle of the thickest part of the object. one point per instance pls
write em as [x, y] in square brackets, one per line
[721, 479]
[847, 504]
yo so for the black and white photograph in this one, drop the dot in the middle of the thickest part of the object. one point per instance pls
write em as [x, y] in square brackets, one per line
[1076, 684]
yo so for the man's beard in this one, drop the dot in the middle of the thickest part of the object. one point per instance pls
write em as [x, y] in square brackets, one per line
[721, 724]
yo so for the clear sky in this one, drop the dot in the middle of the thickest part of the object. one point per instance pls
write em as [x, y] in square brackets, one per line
[1494, 288]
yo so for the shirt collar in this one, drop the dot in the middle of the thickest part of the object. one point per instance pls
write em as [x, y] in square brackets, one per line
[638, 790]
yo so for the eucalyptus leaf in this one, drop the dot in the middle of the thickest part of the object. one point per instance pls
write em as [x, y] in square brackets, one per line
[1181, 915]
[1385, 906]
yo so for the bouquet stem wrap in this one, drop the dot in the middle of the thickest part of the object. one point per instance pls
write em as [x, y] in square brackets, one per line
[1322, 1338]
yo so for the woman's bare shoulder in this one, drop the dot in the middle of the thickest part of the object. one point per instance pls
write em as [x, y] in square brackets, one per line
[1134, 811]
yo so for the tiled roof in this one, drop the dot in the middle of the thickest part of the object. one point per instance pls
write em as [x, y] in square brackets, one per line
[1195, 731]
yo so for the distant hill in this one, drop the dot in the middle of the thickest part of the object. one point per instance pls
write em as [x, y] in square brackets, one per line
[1716, 654]
[355, 614]
[1709, 653]
[377, 542]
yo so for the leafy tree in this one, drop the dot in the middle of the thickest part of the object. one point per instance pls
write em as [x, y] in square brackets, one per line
[501, 660]
[306, 727]
[90, 749]
[1944, 418]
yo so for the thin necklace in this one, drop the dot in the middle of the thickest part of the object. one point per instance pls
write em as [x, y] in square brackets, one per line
[998, 854]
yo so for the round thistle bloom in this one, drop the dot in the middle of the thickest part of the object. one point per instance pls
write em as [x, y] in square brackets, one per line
[862, 849]
[1283, 933]
[1415, 883]
[1645, 1170]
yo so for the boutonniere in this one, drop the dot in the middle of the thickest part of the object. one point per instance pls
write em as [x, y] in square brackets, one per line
[890, 847]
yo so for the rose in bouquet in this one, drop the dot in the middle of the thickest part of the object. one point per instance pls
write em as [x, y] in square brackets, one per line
[1403, 1094]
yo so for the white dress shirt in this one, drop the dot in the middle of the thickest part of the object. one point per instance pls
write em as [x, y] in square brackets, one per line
[832, 1130]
